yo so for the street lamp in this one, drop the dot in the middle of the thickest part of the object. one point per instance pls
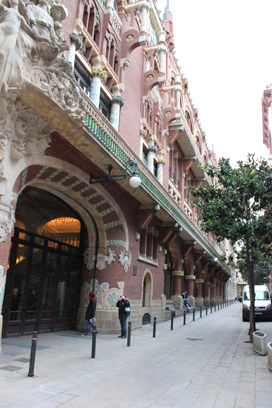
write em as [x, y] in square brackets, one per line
[134, 181]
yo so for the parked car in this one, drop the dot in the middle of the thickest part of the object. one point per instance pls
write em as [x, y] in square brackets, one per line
[263, 306]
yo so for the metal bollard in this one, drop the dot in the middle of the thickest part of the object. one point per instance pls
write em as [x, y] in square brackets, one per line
[215, 307]
[129, 334]
[172, 321]
[206, 310]
[193, 314]
[93, 341]
[184, 317]
[211, 308]
[154, 327]
[32, 354]
[200, 311]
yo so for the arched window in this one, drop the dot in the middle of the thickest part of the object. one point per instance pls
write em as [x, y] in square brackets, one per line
[189, 121]
[147, 290]
[198, 143]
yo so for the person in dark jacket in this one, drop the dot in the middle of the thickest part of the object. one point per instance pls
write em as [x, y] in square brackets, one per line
[123, 313]
[90, 313]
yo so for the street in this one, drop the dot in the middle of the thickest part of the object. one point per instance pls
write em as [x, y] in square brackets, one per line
[206, 363]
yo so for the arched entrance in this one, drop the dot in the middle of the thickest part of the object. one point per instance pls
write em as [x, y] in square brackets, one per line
[45, 263]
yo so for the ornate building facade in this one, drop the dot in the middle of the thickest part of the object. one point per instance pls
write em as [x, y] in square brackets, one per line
[90, 90]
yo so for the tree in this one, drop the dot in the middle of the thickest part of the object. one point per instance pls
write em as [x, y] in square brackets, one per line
[238, 207]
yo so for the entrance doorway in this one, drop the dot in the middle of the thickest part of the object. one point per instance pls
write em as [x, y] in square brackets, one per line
[44, 271]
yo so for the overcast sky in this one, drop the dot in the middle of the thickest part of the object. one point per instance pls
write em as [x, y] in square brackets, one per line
[225, 50]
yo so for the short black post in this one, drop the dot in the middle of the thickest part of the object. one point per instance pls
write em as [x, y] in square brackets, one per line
[93, 341]
[200, 311]
[215, 307]
[206, 310]
[193, 314]
[154, 327]
[172, 321]
[32, 354]
[184, 317]
[129, 334]
[211, 308]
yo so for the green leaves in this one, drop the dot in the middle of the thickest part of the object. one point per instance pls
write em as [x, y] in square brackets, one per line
[239, 206]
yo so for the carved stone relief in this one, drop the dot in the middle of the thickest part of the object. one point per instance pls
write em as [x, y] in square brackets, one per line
[102, 259]
[125, 259]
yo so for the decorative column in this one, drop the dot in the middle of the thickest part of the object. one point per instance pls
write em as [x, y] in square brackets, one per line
[144, 8]
[162, 56]
[150, 155]
[190, 288]
[117, 102]
[175, 166]
[143, 133]
[177, 298]
[161, 164]
[199, 290]
[212, 289]
[99, 74]
[76, 44]
[178, 91]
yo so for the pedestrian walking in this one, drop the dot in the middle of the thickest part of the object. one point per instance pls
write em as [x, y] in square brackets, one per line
[123, 313]
[90, 313]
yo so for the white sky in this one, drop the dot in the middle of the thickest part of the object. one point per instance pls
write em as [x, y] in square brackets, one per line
[225, 50]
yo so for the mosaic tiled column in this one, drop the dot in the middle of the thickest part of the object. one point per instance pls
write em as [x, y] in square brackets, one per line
[150, 155]
[99, 74]
[117, 102]
[144, 8]
[143, 134]
[162, 55]
[161, 164]
[76, 44]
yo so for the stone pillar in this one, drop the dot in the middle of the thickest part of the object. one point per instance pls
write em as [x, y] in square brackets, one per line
[207, 293]
[178, 92]
[145, 7]
[98, 74]
[190, 288]
[143, 134]
[177, 298]
[175, 166]
[117, 102]
[76, 44]
[212, 296]
[199, 292]
[155, 245]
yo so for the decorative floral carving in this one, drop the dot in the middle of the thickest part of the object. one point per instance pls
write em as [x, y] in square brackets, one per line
[125, 259]
[130, 37]
[102, 259]
[6, 225]
[150, 77]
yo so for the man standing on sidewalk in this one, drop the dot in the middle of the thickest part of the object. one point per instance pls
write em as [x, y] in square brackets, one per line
[124, 311]
[90, 313]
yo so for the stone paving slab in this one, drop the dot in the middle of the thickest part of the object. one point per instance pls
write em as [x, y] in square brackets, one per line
[207, 363]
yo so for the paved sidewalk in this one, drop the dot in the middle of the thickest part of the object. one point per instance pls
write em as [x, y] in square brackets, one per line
[205, 364]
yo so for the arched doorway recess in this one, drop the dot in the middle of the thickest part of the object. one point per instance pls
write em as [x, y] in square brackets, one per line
[44, 270]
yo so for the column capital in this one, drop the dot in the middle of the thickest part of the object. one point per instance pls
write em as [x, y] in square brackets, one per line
[192, 277]
[99, 72]
[77, 40]
[178, 273]
[143, 132]
[118, 99]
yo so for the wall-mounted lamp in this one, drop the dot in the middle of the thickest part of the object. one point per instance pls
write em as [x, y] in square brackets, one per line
[134, 181]
[215, 259]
